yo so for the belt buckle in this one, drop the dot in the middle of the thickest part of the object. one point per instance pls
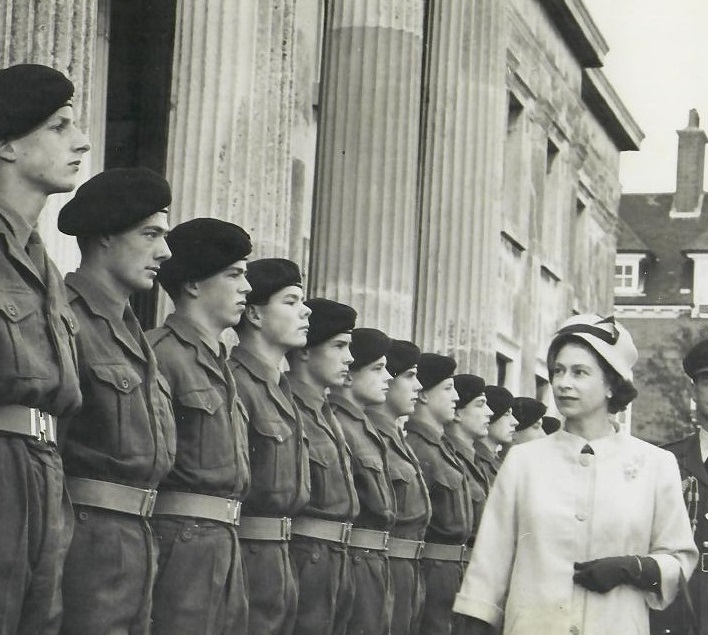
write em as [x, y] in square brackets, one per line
[148, 503]
[41, 426]
[463, 551]
[384, 541]
[285, 528]
[419, 549]
[346, 536]
[233, 512]
[704, 563]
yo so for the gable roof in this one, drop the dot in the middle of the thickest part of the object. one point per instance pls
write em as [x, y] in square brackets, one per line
[645, 221]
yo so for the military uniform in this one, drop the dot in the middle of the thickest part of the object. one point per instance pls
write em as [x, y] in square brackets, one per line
[476, 481]
[323, 567]
[413, 513]
[372, 605]
[200, 587]
[450, 528]
[488, 463]
[280, 489]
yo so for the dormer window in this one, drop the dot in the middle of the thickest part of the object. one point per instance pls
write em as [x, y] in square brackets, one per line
[628, 278]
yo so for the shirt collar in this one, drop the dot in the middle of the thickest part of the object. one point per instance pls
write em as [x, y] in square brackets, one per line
[255, 365]
[95, 296]
[19, 227]
[308, 394]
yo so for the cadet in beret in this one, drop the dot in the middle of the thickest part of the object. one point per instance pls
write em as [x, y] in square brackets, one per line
[321, 533]
[501, 428]
[275, 321]
[471, 423]
[528, 413]
[122, 443]
[200, 587]
[692, 453]
[550, 424]
[367, 546]
[451, 523]
[405, 546]
[40, 153]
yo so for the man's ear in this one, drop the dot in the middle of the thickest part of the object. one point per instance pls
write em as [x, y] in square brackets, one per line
[423, 397]
[457, 418]
[253, 315]
[191, 289]
[7, 151]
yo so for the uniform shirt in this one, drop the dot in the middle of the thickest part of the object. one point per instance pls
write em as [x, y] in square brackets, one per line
[371, 471]
[477, 481]
[37, 338]
[280, 476]
[553, 505]
[212, 442]
[452, 514]
[413, 508]
[333, 496]
[488, 462]
[125, 430]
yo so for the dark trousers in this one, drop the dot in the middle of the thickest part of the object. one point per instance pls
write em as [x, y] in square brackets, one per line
[35, 531]
[200, 587]
[272, 590]
[372, 600]
[408, 588]
[442, 582]
[108, 574]
[325, 586]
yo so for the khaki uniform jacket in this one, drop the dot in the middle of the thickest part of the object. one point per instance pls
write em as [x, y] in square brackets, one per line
[477, 481]
[280, 475]
[125, 431]
[212, 440]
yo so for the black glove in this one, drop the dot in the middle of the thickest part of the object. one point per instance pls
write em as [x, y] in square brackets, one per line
[472, 626]
[605, 574]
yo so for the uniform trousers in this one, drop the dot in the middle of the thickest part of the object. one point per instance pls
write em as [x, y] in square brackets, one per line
[372, 599]
[35, 525]
[442, 582]
[200, 587]
[109, 574]
[325, 586]
[272, 589]
[408, 588]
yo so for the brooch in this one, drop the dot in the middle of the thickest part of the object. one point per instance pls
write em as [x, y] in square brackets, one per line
[631, 468]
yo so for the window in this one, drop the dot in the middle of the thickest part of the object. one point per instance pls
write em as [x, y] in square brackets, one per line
[502, 369]
[628, 280]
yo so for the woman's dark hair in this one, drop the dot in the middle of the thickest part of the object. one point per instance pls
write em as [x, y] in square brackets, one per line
[623, 390]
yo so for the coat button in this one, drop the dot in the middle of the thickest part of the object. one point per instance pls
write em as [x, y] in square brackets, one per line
[124, 383]
[315, 557]
[581, 516]
[279, 438]
[584, 460]
[207, 404]
[186, 535]
[705, 544]
[11, 309]
[574, 630]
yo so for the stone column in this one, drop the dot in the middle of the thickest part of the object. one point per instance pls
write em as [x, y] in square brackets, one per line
[461, 178]
[229, 133]
[60, 34]
[364, 240]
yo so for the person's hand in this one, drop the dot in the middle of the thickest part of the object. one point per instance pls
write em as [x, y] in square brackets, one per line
[605, 574]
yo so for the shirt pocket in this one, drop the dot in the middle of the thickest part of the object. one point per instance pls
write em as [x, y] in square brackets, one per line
[273, 453]
[120, 402]
[323, 458]
[448, 500]
[205, 430]
[401, 479]
[22, 331]
[373, 479]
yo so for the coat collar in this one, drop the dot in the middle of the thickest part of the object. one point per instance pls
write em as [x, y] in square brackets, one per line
[16, 231]
[188, 333]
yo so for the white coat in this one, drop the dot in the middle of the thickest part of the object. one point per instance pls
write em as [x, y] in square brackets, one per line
[552, 506]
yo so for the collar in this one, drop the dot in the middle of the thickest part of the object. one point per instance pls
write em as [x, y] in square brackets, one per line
[255, 365]
[425, 430]
[339, 400]
[19, 227]
[189, 331]
[383, 422]
[308, 394]
[95, 297]
[462, 447]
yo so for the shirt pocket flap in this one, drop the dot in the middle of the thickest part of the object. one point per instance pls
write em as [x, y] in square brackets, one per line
[322, 454]
[121, 376]
[16, 306]
[207, 399]
[449, 479]
[275, 429]
[399, 473]
[371, 462]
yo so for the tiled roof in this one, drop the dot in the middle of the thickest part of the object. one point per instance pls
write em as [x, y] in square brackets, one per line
[647, 218]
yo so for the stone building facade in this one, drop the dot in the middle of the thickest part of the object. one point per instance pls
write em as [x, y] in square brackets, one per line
[448, 167]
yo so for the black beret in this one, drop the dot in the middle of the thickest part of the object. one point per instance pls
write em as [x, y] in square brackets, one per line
[527, 411]
[434, 368]
[114, 201]
[499, 399]
[367, 346]
[696, 361]
[550, 424]
[402, 356]
[468, 387]
[200, 248]
[268, 276]
[29, 94]
[328, 318]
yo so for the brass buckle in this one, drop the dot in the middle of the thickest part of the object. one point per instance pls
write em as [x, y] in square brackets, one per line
[385, 541]
[233, 512]
[148, 503]
[285, 528]
[704, 563]
[346, 536]
[463, 551]
[42, 426]
[419, 549]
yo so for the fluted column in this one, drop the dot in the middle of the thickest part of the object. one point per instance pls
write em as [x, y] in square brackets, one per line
[229, 132]
[461, 194]
[60, 34]
[364, 242]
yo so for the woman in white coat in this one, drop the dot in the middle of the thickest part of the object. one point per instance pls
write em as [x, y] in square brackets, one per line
[585, 529]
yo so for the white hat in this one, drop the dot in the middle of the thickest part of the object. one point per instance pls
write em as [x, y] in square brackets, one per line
[609, 339]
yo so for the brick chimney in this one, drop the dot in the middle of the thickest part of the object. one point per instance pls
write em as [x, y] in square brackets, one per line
[688, 199]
